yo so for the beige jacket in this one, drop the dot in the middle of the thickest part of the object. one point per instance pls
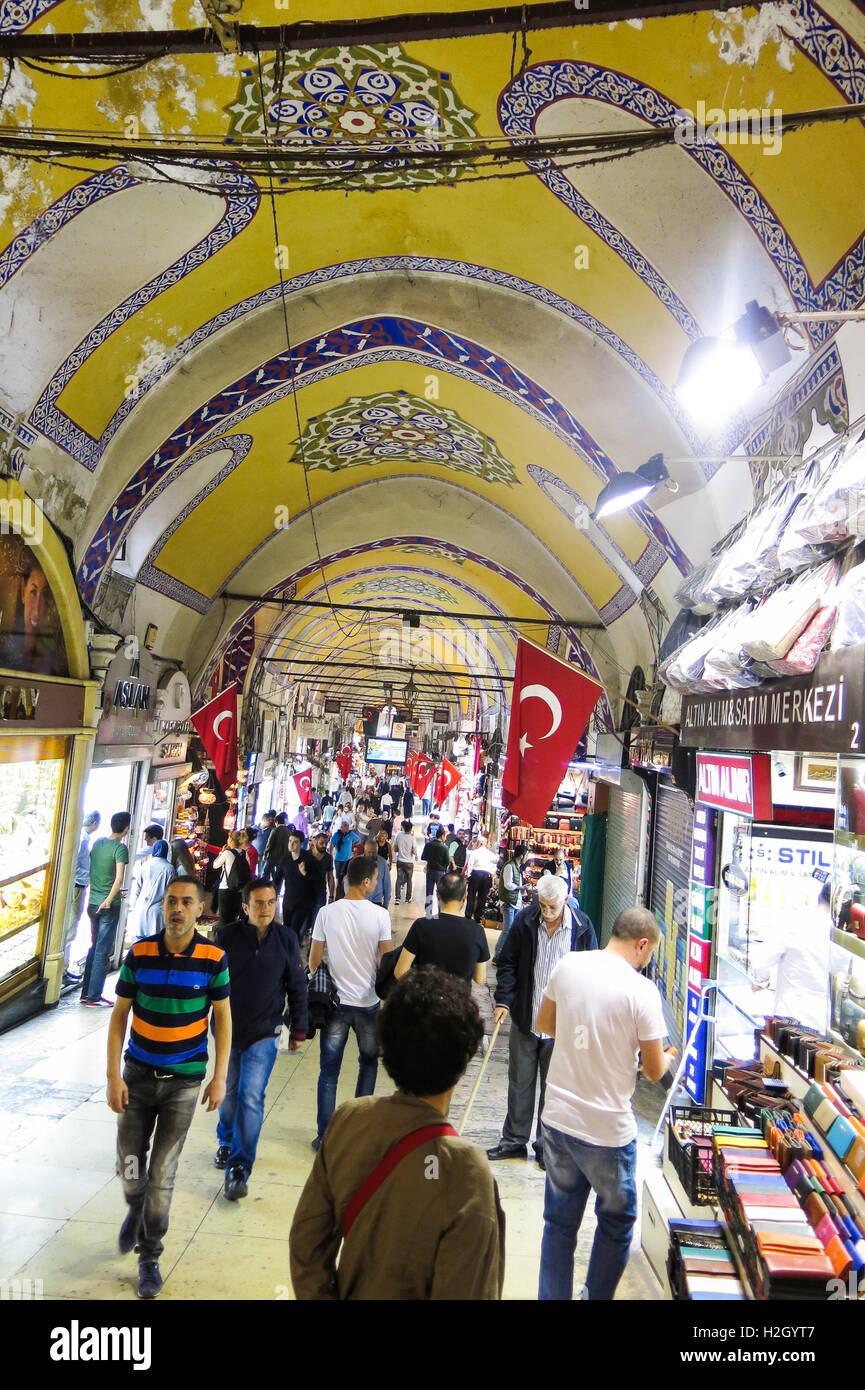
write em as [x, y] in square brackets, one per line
[433, 1230]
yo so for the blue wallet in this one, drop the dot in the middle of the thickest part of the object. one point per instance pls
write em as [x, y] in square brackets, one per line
[841, 1137]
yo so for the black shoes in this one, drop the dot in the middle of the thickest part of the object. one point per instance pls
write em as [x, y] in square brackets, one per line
[223, 1154]
[149, 1279]
[235, 1184]
[129, 1232]
[507, 1151]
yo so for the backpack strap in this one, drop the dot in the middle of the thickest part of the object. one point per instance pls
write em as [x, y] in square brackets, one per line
[385, 1168]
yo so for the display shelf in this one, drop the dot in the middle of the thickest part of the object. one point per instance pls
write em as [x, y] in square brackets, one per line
[798, 1083]
[22, 926]
[28, 873]
[854, 944]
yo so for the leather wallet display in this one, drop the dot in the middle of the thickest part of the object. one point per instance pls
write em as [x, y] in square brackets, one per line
[841, 1137]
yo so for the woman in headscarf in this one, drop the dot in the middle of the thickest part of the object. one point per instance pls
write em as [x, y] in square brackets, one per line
[149, 891]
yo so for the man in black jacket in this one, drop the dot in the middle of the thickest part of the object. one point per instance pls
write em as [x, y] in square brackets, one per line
[541, 935]
[266, 974]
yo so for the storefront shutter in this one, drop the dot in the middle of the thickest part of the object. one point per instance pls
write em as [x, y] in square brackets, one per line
[624, 830]
[671, 868]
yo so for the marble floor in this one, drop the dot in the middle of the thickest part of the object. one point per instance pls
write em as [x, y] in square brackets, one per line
[61, 1205]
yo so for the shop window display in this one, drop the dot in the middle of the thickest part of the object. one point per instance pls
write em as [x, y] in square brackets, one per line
[848, 903]
[29, 793]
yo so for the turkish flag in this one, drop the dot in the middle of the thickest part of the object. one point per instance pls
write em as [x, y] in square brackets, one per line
[303, 782]
[410, 763]
[343, 762]
[424, 771]
[551, 705]
[447, 779]
[216, 723]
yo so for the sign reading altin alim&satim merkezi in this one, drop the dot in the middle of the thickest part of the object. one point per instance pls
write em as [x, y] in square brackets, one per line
[820, 713]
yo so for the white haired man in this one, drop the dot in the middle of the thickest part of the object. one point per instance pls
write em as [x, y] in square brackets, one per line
[541, 935]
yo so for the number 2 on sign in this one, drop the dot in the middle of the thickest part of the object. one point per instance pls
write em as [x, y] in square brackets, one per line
[854, 742]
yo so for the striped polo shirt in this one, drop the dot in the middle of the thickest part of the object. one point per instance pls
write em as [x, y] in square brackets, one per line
[171, 997]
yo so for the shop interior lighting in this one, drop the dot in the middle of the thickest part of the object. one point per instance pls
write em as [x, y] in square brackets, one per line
[627, 489]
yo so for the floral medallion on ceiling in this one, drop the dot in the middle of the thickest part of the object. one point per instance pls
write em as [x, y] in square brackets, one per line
[405, 584]
[397, 426]
[337, 96]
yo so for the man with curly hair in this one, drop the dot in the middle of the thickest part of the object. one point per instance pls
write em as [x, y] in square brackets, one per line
[397, 1206]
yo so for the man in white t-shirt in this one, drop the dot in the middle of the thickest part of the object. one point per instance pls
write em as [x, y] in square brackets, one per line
[405, 848]
[357, 934]
[602, 1012]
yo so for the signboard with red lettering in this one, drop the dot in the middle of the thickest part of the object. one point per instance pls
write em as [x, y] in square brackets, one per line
[735, 782]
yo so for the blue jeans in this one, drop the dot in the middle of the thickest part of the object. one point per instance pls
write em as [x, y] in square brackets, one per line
[334, 1037]
[574, 1168]
[103, 929]
[242, 1112]
[508, 915]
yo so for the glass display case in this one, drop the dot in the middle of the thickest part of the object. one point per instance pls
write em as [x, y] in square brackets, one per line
[29, 796]
[769, 881]
[848, 905]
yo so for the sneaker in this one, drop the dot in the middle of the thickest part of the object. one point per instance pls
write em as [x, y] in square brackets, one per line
[129, 1232]
[70, 979]
[223, 1154]
[315, 1145]
[98, 1003]
[149, 1279]
[235, 1184]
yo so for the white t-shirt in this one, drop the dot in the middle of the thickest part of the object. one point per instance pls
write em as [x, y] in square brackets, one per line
[352, 929]
[603, 1009]
[406, 846]
[386, 801]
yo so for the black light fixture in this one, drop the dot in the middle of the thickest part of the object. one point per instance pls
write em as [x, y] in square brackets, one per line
[626, 489]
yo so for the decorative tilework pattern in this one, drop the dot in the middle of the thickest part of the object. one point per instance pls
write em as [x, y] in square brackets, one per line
[417, 265]
[15, 15]
[394, 425]
[543, 84]
[376, 339]
[238, 446]
[401, 584]
[46, 417]
[337, 97]
[820, 387]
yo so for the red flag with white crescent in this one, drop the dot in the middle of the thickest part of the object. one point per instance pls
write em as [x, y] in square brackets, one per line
[551, 706]
[303, 782]
[424, 771]
[410, 763]
[216, 724]
[447, 779]
[343, 762]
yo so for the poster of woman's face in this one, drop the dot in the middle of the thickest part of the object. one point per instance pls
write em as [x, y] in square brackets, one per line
[31, 635]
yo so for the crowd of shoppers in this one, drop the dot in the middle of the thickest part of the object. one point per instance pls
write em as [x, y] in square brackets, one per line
[581, 1022]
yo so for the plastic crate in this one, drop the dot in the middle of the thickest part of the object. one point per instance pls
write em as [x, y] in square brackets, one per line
[692, 1162]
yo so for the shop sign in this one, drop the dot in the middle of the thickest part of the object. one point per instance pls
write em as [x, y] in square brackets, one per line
[131, 695]
[440, 716]
[332, 706]
[129, 703]
[269, 770]
[738, 783]
[174, 704]
[36, 704]
[701, 916]
[169, 751]
[823, 712]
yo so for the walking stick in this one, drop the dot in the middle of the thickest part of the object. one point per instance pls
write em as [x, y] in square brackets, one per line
[480, 1077]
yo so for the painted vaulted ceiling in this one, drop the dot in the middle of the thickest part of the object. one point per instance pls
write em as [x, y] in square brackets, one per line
[407, 386]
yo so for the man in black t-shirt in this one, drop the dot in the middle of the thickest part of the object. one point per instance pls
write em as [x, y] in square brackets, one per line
[302, 878]
[451, 941]
[437, 859]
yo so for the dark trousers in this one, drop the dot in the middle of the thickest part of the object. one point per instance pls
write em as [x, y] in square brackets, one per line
[432, 882]
[528, 1057]
[480, 884]
[300, 917]
[229, 904]
[166, 1106]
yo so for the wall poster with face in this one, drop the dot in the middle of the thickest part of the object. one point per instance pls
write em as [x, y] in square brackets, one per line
[31, 634]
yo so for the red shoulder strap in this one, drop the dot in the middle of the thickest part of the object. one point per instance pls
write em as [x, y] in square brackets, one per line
[389, 1162]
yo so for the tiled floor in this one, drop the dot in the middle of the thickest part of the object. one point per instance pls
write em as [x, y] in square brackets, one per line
[61, 1206]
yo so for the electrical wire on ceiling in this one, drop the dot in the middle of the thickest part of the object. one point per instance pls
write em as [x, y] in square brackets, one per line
[291, 364]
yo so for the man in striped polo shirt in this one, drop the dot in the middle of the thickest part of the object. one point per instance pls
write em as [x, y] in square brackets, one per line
[170, 982]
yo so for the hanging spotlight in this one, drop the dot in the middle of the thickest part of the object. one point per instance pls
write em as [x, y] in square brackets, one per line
[719, 374]
[626, 489]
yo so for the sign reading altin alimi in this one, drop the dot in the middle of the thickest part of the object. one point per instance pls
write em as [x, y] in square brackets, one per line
[820, 713]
